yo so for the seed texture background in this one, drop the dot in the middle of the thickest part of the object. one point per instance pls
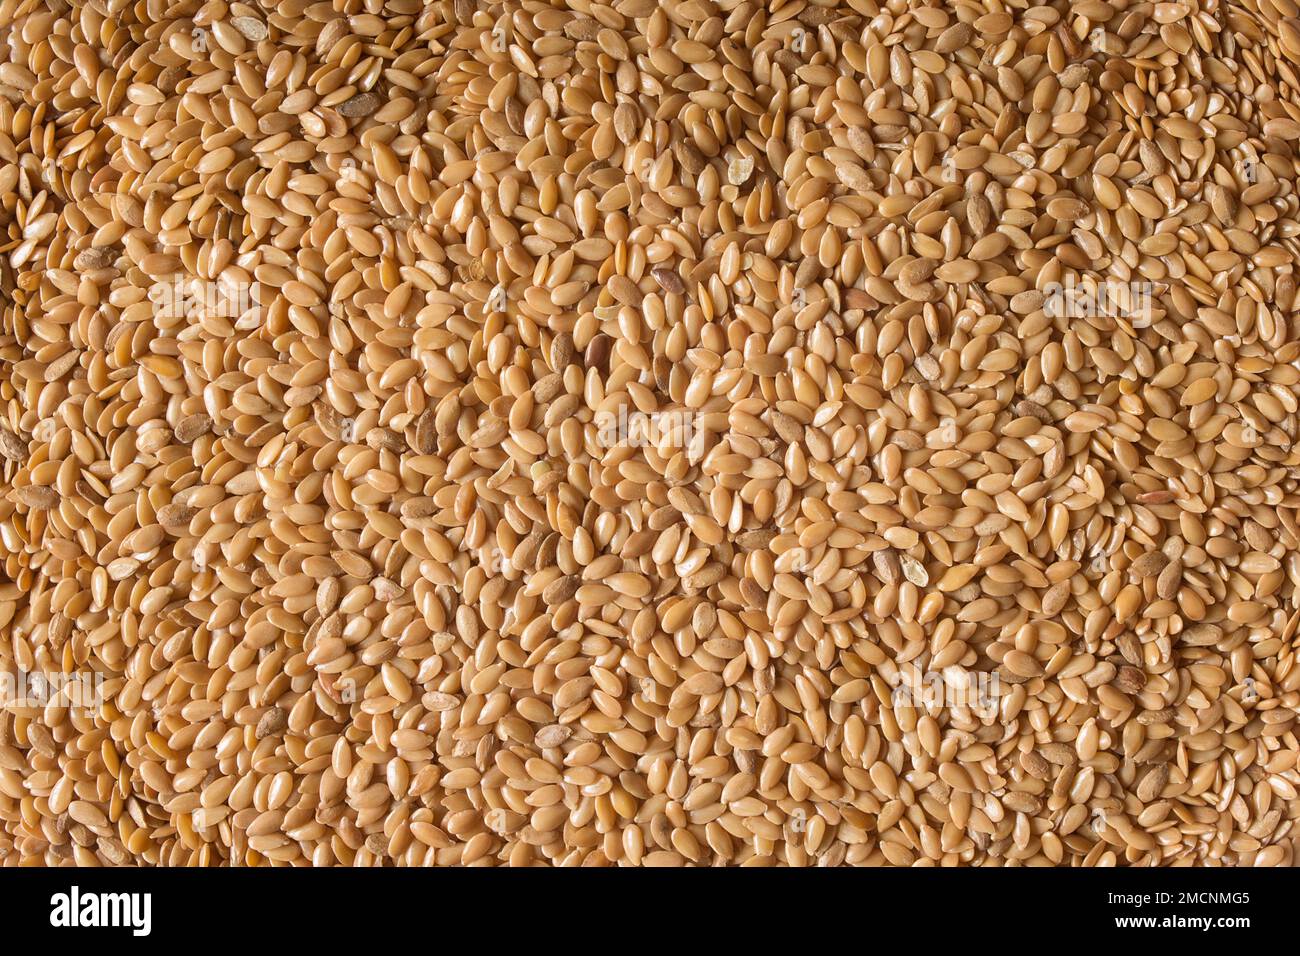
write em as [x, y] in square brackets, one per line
[649, 433]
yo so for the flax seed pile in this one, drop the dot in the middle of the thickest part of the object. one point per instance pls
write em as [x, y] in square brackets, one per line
[973, 540]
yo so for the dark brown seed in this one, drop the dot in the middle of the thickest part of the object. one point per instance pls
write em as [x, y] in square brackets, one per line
[598, 352]
[562, 352]
[1130, 680]
[668, 280]
[363, 104]
[272, 723]
[1150, 564]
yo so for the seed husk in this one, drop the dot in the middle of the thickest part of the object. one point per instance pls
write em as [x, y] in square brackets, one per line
[273, 722]
[11, 446]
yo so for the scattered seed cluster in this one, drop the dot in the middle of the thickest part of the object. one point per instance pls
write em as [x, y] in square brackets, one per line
[975, 322]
